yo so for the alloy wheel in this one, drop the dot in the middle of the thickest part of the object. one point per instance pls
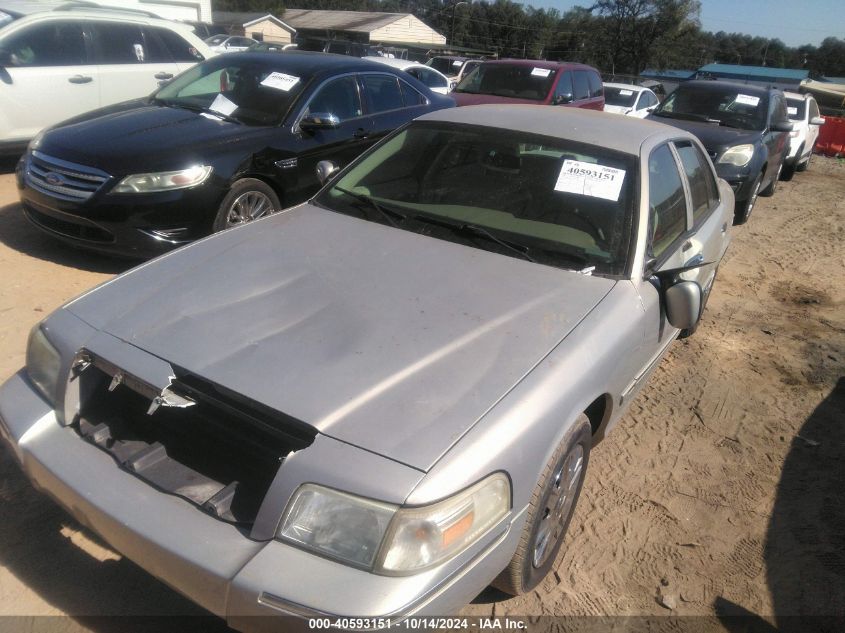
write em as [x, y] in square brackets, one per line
[559, 504]
[249, 206]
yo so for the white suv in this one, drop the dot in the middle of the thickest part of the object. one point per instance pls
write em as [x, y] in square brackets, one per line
[60, 60]
[804, 113]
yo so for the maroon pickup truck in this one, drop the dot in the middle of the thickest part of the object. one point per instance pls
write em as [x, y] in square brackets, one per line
[532, 81]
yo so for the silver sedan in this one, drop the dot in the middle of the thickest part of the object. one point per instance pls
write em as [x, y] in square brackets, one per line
[383, 400]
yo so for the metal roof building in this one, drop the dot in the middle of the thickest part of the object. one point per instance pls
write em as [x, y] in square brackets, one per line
[780, 77]
[363, 26]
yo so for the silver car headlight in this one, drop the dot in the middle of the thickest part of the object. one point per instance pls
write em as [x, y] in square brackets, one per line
[423, 537]
[740, 155]
[42, 363]
[389, 539]
[164, 180]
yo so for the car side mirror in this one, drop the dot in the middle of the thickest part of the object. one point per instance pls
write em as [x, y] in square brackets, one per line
[683, 304]
[782, 126]
[816, 120]
[562, 99]
[325, 170]
[319, 121]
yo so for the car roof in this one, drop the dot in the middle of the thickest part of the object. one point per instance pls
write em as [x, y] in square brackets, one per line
[27, 10]
[622, 134]
[708, 84]
[314, 62]
[797, 95]
[610, 84]
[401, 64]
[537, 63]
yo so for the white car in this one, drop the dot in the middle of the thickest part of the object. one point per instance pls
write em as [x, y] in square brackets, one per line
[435, 80]
[803, 111]
[455, 68]
[229, 43]
[628, 99]
[59, 61]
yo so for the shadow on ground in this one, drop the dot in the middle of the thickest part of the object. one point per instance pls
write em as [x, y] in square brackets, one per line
[804, 552]
[7, 164]
[37, 545]
[18, 234]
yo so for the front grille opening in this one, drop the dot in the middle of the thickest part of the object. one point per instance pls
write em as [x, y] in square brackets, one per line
[216, 454]
[87, 232]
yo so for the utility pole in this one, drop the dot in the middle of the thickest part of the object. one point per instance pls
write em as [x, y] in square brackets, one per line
[452, 29]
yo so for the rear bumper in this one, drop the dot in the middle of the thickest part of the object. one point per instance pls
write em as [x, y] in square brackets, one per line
[213, 563]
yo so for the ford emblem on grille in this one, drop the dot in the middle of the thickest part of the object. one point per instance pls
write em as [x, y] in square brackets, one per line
[52, 178]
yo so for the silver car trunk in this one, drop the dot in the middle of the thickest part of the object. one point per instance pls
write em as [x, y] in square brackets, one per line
[388, 340]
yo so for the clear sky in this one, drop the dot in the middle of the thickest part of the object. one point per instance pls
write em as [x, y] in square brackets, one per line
[794, 22]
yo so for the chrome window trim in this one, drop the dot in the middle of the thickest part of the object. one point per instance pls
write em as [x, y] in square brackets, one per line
[295, 129]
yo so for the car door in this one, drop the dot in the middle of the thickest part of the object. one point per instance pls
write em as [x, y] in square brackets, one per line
[51, 77]
[390, 102]
[813, 130]
[181, 52]
[132, 61]
[711, 218]
[777, 143]
[341, 97]
[435, 81]
[646, 102]
[667, 245]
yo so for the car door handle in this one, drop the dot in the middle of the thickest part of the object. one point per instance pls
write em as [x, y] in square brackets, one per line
[687, 245]
[360, 133]
[725, 227]
[163, 76]
[80, 79]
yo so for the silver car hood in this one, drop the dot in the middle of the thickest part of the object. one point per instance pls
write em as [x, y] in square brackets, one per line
[392, 341]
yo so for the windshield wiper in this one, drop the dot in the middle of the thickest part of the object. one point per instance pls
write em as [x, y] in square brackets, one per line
[519, 249]
[389, 214]
[691, 116]
[198, 108]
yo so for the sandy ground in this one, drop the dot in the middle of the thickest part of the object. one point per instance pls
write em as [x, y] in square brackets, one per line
[720, 492]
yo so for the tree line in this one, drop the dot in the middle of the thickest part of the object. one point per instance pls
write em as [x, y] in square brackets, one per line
[616, 36]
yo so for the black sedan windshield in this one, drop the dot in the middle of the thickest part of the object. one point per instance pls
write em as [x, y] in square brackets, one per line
[543, 199]
[724, 105]
[250, 91]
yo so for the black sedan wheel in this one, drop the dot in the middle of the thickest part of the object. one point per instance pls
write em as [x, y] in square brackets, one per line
[770, 189]
[743, 208]
[549, 512]
[248, 199]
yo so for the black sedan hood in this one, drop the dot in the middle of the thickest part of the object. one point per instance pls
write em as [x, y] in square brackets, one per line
[716, 138]
[142, 134]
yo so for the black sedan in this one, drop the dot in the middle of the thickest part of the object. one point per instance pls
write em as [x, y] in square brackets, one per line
[744, 128]
[233, 139]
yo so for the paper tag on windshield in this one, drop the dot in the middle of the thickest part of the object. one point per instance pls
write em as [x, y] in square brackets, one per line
[541, 72]
[626, 93]
[457, 62]
[280, 81]
[747, 100]
[589, 179]
[792, 110]
[222, 105]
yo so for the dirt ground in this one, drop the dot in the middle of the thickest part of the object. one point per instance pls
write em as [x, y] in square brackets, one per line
[720, 491]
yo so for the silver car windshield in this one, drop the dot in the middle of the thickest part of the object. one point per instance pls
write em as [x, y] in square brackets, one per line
[544, 199]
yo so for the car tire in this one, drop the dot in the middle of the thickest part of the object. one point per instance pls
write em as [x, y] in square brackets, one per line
[549, 511]
[249, 199]
[769, 191]
[788, 171]
[743, 209]
[806, 164]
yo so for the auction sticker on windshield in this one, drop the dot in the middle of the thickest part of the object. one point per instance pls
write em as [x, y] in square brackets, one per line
[223, 105]
[541, 72]
[626, 93]
[747, 100]
[280, 81]
[589, 179]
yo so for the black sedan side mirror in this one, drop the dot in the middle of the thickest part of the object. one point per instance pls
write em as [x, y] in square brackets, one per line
[325, 170]
[319, 121]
